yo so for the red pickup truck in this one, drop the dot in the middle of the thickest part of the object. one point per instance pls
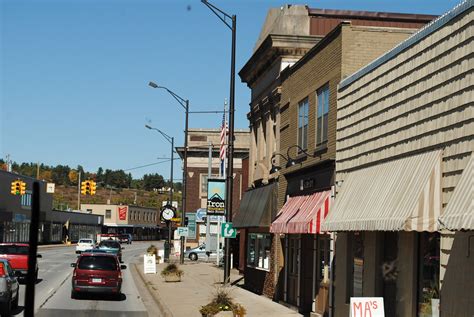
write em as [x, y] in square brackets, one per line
[17, 255]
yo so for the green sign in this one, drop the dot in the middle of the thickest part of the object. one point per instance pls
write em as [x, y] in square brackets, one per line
[227, 230]
[216, 196]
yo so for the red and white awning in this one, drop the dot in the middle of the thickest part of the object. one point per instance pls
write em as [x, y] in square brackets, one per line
[303, 214]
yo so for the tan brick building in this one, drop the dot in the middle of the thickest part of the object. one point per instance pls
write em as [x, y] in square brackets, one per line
[287, 73]
[404, 165]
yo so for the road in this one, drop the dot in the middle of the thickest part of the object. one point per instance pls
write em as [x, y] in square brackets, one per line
[53, 289]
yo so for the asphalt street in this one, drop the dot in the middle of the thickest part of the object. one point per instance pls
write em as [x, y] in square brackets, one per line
[53, 289]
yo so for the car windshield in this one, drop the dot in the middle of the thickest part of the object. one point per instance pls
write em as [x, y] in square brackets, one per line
[13, 249]
[105, 263]
[85, 241]
[110, 244]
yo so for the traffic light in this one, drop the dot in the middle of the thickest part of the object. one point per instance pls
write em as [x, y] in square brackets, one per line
[22, 187]
[84, 188]
[93, 187]
[15, 188]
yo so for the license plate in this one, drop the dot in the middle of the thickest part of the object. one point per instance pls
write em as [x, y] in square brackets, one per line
[96, 280]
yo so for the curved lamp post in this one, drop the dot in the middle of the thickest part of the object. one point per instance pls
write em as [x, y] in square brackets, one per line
[230, 166]
[289, 160]
[185, 104]
[170, 139]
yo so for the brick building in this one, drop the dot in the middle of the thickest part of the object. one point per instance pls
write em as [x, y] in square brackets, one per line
[404, 212]
[199, 141]
[292, 72]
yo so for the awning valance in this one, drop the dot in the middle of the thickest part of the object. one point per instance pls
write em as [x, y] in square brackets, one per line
[256, 208]
[302, 214]
[404, 194]
[459, 212]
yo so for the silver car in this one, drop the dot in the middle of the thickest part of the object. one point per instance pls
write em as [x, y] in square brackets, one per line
[9, 288]
[200, 253]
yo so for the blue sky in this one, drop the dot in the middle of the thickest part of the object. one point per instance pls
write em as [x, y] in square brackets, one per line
[74, 74]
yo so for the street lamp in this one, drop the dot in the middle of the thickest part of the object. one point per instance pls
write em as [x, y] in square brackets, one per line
[170, 139]
[289, 160]
[230, 166]
[185, 104]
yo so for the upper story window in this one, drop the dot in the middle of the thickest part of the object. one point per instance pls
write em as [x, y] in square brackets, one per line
[322, 95]
[203, 187]
[108, 213]
[303, 113]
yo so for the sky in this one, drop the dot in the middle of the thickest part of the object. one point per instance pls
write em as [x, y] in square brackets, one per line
[74, 74]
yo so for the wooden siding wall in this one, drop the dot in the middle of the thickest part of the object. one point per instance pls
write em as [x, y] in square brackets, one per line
[420, 100]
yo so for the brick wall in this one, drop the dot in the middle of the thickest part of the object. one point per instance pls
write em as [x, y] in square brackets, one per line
[193, 195]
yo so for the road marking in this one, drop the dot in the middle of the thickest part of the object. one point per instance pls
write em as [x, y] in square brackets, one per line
[50, 290]
[52, 294]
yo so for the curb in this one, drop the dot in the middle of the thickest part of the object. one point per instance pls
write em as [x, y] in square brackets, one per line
[154, 294]
[51, 246]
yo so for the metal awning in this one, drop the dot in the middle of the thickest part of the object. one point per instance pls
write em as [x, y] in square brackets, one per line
[404, 194]
[459, 213]
[302, 214]
[256, 208]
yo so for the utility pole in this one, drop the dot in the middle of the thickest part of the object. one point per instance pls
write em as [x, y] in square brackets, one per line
[79, 191]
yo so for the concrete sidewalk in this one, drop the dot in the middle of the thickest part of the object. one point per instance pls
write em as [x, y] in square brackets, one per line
[196, 288]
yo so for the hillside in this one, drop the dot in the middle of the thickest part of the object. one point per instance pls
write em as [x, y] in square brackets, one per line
[66, 197]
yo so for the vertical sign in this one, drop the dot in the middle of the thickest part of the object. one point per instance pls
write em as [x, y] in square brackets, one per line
[149, 262]
[216, 196]
[122, 211]
[191, 225]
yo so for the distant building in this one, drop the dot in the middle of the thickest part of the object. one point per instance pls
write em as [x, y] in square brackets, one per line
[54, 226]
[141, 222]
[197, 173]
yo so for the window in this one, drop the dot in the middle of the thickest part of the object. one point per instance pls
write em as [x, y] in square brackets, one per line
[428, 274]
[108, 214]
[355, 265]
[105, 263]
[258, 250]
[203, 189]
[303, 113]
[322, 115]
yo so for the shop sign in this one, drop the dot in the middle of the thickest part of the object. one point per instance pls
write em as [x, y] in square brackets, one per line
[183, 231]
[122, 211]
[215, 196]
[366, 306]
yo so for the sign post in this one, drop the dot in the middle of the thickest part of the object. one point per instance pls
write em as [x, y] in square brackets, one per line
[228, 231]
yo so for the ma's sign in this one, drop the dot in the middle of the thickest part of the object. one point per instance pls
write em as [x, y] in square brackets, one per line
[366, 307]
[216, 197]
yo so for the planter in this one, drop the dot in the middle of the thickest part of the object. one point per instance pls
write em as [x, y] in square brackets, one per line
[172, 278]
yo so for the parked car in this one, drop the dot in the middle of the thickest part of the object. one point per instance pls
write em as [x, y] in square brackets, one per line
[84, 244]
[111, 246]
[9, 288]
[200, 253]
[125, 238]
[97, 273]
[17, 255]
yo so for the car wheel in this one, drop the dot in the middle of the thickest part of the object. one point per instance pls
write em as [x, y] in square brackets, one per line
[193, 257]
[15, 301]
[6, 308]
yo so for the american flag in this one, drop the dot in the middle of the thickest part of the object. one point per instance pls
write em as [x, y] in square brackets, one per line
[223, 148]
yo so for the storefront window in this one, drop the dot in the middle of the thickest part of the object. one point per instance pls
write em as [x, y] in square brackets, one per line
[428, 278]
[258, 250]
[356, 265]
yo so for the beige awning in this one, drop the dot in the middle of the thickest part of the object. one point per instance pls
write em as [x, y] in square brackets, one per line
[404, 194]
[459, 213]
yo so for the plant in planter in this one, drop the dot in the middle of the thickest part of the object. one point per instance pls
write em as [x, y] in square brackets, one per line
[222, 304]
[152, 249]
[172, 273]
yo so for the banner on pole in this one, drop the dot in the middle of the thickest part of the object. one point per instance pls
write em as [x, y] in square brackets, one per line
[216, 196]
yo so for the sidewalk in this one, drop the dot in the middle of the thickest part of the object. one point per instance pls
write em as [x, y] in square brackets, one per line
[199, 282]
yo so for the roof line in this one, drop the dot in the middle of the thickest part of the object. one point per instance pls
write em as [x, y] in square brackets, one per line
[416, 37]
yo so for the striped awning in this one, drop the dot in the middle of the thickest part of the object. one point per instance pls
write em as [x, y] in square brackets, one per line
[302, 214]
[404, 194]
[459, 213]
